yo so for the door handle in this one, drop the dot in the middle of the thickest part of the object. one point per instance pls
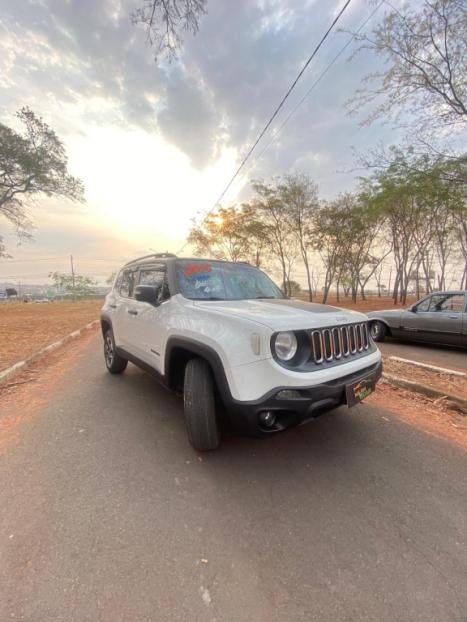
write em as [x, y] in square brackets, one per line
[132, 312]
[453, 317]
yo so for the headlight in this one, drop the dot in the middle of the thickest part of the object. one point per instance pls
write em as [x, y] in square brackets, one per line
[286, 346]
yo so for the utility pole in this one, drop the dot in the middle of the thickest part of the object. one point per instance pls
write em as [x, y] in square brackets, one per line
[73, 278]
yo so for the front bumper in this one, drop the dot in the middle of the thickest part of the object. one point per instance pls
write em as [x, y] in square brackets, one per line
[313, 401]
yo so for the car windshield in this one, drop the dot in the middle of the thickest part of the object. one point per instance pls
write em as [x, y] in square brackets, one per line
[215, 280]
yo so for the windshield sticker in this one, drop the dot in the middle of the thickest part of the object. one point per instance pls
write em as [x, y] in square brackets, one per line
[197, 268]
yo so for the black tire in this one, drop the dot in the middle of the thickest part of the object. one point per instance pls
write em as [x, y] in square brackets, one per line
[200, 406]
[378, 331]
[114, 362]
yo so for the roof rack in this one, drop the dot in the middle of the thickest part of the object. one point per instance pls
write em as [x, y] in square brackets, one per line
[152, 256]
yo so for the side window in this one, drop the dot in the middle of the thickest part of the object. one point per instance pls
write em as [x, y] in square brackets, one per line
[151, 276]
[127, 283]
[447, 303]
[157, 277]
[423, 306]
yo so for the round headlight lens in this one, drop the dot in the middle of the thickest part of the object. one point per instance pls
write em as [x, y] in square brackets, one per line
[286, 346]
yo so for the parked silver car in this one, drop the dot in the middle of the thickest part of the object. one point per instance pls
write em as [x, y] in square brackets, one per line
[440, 318]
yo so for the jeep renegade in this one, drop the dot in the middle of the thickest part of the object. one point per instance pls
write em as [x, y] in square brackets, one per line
[224, 334]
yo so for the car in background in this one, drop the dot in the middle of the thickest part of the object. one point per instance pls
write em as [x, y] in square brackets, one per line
[438, 318]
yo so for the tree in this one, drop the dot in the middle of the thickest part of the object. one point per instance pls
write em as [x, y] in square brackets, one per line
[420, 203]
[164, 20]
[31, 164]
[223, 234]
[271, 212]
[329, 240]
[292, 287]
[77, 285]
[299, 195]
[425, 56]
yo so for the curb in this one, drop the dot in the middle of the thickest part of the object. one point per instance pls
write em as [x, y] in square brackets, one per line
[421, 388]
[442, 370]
[8, 373]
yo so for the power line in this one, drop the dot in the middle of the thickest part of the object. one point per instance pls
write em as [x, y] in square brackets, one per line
[312, 87]
[276, 112]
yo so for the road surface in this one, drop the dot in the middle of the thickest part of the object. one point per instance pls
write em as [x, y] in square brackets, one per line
[107, 514]
[451, 358]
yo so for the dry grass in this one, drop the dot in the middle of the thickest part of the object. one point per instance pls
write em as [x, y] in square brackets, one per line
[452, 385]
[26, 328]
[373, 303]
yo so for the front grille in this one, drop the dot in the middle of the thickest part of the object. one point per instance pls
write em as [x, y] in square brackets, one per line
[329, 345]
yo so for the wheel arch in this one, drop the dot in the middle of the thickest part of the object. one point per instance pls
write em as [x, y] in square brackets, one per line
[105, 325]
[180, 350]
[384, 322]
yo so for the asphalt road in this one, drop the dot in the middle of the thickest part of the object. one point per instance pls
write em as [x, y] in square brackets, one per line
[107, 514]
[442, 356]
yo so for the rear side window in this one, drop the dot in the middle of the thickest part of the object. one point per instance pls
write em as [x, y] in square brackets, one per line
[127, 283]
[447, 303]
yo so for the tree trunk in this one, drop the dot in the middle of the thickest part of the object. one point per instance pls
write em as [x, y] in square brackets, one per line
[307, 268]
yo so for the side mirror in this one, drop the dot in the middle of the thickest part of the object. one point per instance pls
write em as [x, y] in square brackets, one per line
[412, 308]
[148, 293]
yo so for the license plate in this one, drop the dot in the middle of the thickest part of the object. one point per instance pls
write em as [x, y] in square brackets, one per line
[358, 391]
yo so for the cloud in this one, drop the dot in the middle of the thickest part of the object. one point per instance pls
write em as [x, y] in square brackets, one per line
[84, 63]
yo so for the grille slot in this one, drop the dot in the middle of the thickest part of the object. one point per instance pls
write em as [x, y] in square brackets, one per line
[334, 343]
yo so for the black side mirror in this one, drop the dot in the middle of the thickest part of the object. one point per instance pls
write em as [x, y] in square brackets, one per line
[412, 309]
[148, 293]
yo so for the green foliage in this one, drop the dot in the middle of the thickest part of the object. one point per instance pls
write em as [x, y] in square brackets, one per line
[79, 286]
[32, 163]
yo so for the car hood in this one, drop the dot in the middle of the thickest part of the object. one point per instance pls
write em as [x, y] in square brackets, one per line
[283, 314]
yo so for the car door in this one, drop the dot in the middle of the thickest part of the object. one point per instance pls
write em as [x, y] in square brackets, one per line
[414, 320]
[441, 322]
[123, 312]
[445, 318]
[148, 326]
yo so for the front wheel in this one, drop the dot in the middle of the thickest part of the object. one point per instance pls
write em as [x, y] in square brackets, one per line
[114, 362]
[199, 406]
[378, 331]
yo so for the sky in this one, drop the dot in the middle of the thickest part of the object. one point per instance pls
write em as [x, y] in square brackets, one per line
[155, 143]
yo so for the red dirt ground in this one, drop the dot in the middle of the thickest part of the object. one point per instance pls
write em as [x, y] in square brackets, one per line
[373, 303]
[26, 328]
[452, 385]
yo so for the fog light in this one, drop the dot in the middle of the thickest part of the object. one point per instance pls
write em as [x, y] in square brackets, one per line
[267, 418]
[288, 394]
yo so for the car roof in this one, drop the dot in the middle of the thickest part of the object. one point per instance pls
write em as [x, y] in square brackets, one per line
[169, 258]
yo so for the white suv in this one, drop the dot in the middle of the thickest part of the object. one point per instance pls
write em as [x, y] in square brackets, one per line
[224, 335]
